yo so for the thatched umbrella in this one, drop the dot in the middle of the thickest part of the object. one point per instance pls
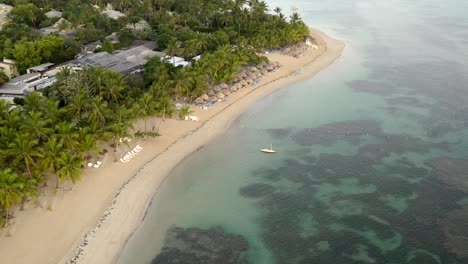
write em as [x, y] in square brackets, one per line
[243, 75]
[204, 97]
[277, 64]
[220, 95]
[264, 71]
[233, 88]
[223, 86]
[249, 81]
[211, 93]
[253, 69]
[243, 83]
[227, 92]
[217, 88]
[270, 67]
[214, 99]
[199, 100]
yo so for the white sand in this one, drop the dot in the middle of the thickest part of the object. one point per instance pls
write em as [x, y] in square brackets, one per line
[91, 209]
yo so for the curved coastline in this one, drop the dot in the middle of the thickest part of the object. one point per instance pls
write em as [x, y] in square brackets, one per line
[99, 237]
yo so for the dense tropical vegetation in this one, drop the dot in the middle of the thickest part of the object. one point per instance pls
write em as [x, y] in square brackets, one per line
[52, 135]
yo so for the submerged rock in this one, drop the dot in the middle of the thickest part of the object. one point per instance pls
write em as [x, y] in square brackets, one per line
[256, 190]
[455, 229]
[329, 133]
[199, 246]
[452, 171]
[372, 87]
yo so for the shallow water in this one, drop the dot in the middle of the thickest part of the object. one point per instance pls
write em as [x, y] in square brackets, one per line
[372, 152]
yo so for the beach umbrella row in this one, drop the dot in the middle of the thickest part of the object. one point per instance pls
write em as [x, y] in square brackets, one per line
[245, 77]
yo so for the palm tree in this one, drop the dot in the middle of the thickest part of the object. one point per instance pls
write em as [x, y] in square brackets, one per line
[113, 85]
[10, 191]
[36, 126]
[88, 142]
[67, 135]
[96, 74]
[172, 49]
[34, 102]
[164, 84]
[12, 119]
[77, 104]
[70, 168]
[182, 79]
[165, 107]
[198, 84]
[53, 112]
[120, 127]
[4, 108]
[147, 107]
[118, 131]
[184, 111]
[7, 135]
[23, 150]
[29, 188]
[295, 18]
[51, 155]
[99, 111]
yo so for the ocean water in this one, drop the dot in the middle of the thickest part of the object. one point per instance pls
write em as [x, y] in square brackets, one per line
[372, 161]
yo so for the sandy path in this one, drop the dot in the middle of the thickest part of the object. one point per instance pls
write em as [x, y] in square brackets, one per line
[107, 205]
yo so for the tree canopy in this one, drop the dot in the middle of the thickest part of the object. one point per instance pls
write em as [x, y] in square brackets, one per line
[51, 135]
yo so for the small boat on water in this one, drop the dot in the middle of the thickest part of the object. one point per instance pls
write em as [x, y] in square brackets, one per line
[268, 150]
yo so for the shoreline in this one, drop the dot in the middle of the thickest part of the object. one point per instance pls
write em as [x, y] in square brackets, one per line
[96, 220]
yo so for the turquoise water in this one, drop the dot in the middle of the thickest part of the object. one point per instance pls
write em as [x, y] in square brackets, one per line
[372, 153]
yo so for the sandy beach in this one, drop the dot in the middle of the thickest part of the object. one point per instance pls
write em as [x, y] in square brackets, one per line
[92, 222]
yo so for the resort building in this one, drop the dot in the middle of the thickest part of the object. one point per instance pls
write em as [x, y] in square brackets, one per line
[40, 68]
[176, 61]
[25, 84]
[8, 67]
[121, 61]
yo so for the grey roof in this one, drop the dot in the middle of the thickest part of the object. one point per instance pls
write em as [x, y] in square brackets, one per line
[106, 60]
[23, 77]
[53, 13]
[136, 55]
[146, 43]
[8, 88]
[42, 67]
[114, 14]
[47, 31]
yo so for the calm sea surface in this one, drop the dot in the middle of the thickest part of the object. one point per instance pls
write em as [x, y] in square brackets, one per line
[372, 161]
